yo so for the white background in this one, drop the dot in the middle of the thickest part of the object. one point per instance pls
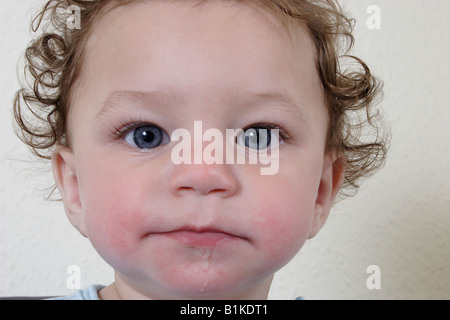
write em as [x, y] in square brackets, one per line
[399, 221]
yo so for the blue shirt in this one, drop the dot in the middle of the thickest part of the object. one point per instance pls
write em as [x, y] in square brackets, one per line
[90, 293]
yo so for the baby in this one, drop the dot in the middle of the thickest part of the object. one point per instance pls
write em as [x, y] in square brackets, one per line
[110, 90]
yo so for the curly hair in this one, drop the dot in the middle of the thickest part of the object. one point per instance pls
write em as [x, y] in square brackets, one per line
[53, 62]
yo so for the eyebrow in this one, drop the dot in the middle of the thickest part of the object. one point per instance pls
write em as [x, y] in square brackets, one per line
[279, 100]
[115, 99]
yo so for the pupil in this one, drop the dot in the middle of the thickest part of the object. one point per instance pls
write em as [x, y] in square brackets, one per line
[257, 136]
[148, 136]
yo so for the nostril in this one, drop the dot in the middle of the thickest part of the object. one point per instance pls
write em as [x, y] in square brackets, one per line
[217, 190]
[203, 180]
[208, 192]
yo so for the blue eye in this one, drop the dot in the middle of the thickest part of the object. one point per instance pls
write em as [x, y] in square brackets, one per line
[147, 137]
[258, 138]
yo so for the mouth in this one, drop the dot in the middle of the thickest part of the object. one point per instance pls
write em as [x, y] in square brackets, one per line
[200, 237]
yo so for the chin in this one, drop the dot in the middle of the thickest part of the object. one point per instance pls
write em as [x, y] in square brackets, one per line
[205, 284]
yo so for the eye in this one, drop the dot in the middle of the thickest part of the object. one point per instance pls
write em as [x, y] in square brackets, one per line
[256, 137]
[147, 137]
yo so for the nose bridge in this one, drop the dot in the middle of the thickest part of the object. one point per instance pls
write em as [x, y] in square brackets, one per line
[203, 174]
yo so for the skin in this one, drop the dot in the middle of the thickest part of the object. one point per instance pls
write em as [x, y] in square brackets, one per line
[207, 62]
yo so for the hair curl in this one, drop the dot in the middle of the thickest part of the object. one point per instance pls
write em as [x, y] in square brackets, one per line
[53, 62]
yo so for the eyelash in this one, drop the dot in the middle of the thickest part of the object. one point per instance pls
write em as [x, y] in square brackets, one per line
[119, 132]
[270, 126]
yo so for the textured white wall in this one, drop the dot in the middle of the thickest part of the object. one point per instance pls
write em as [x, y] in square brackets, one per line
[399, 221]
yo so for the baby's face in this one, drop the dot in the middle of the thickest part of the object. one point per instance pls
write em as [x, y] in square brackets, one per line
[194, 230]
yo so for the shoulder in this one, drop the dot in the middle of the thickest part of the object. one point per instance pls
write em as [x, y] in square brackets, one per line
[90, 293]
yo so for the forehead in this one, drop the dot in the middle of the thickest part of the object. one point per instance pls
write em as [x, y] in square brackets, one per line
[187, 47]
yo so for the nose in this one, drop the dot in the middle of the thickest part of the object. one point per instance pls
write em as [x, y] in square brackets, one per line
[203, 179]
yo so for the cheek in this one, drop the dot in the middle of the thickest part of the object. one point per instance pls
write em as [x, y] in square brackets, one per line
[114, 213]
[284, 223]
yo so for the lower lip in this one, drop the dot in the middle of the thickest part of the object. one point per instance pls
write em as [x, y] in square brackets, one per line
[200, 239]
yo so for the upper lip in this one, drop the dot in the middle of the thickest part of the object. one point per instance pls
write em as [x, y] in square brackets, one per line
[206, 229]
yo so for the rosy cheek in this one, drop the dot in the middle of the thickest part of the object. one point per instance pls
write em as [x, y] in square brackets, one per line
[284, 223]
[113, 217]
[284, 233]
